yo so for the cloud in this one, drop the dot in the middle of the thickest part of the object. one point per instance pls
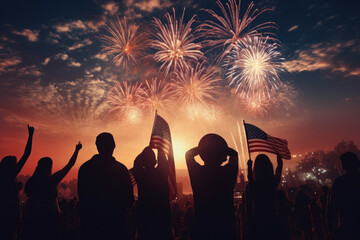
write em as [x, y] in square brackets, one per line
[70, 26]
[62, 56]
[293, 28]
[151, 5]
[32, 70]
[7, 62]
[73, 63]
[333, 56]
[46, 61]
[111, 8]
[31, 35]
[78, 45]
[101, 56]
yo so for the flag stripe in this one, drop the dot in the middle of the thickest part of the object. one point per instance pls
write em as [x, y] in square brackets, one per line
[259, 141]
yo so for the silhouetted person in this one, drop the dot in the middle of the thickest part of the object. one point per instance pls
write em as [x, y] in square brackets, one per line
[283, 210]
[154, 204]
[316, 217]
[105, 193]
[41, 220]
[213, 186]
[344, 204]
[9, 197]
[260, 198]
[302, 212]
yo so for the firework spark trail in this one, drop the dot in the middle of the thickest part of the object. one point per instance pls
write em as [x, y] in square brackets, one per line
[242, 147]
[174, 43]
[125, 101]
[281, 99]
[125, 41]
[253, 67]
[229, 29]
[157, 95]
[195, 86]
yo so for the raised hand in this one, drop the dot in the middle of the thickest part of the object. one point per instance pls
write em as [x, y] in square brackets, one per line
[232, 153]
[30, 130]
[78, 146]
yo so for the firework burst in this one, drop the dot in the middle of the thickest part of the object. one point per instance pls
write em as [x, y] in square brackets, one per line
[195, 86]
[125, 101]
[157, 95]
[253, 67]
[174, 43]
[125, 41]
[229, 29]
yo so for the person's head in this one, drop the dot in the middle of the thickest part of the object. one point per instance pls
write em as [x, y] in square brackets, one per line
[213, 149]
[349, 162]
[8, 164]
[105, 144]
[148, 158]
[44, 167]
[263, 168]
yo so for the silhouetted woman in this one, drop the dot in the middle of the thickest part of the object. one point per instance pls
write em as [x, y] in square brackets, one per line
[213, 187]
[9, 200]
[260, 198]
[154, 204]
[41, 220]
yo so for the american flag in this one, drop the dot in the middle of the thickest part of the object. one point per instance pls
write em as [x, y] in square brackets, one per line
[161, 140]
[259, 141]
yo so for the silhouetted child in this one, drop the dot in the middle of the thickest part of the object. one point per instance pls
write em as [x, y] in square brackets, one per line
[41, 220]
[344, 204]
[9, 200]
[105, 193]
[213, 186]
[154, 204]
[260, 198]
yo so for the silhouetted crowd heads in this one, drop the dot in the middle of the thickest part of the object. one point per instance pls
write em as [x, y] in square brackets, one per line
[107, 208]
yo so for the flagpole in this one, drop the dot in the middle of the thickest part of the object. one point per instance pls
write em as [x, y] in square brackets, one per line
[247, 142]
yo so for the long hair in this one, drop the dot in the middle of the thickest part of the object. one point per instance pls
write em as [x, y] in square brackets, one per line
[7, 165]
[39, 177]
[263, 169]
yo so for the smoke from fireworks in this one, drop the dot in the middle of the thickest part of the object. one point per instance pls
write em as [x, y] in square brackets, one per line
[173, 41]
[229, 29]
[195, 86]
[125, 41]
[125, 101]
[253, 67]
[157, 95]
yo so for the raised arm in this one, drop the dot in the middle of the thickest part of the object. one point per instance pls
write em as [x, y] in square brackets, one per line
[279, 168]
[59, 175]
[233, 159]
[190, 157]
[27, 151]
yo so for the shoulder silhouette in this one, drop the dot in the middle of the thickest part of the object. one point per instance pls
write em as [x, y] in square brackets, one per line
[9, 200]
[105, 193]
[213, 184]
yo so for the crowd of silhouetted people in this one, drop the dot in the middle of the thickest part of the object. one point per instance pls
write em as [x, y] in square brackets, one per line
[107, 209]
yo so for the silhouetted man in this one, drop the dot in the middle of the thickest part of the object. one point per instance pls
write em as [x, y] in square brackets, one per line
[105, 193]
[344, 204]
[154, 204]
[213, 187]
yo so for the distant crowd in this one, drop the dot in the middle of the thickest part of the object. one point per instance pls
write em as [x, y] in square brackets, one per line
[107, 209]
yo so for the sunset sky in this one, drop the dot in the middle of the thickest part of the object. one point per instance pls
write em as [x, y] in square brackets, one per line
[55, 76]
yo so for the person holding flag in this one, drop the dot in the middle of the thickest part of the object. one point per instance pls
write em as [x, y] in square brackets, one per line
[262, 186]
[155, 186]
